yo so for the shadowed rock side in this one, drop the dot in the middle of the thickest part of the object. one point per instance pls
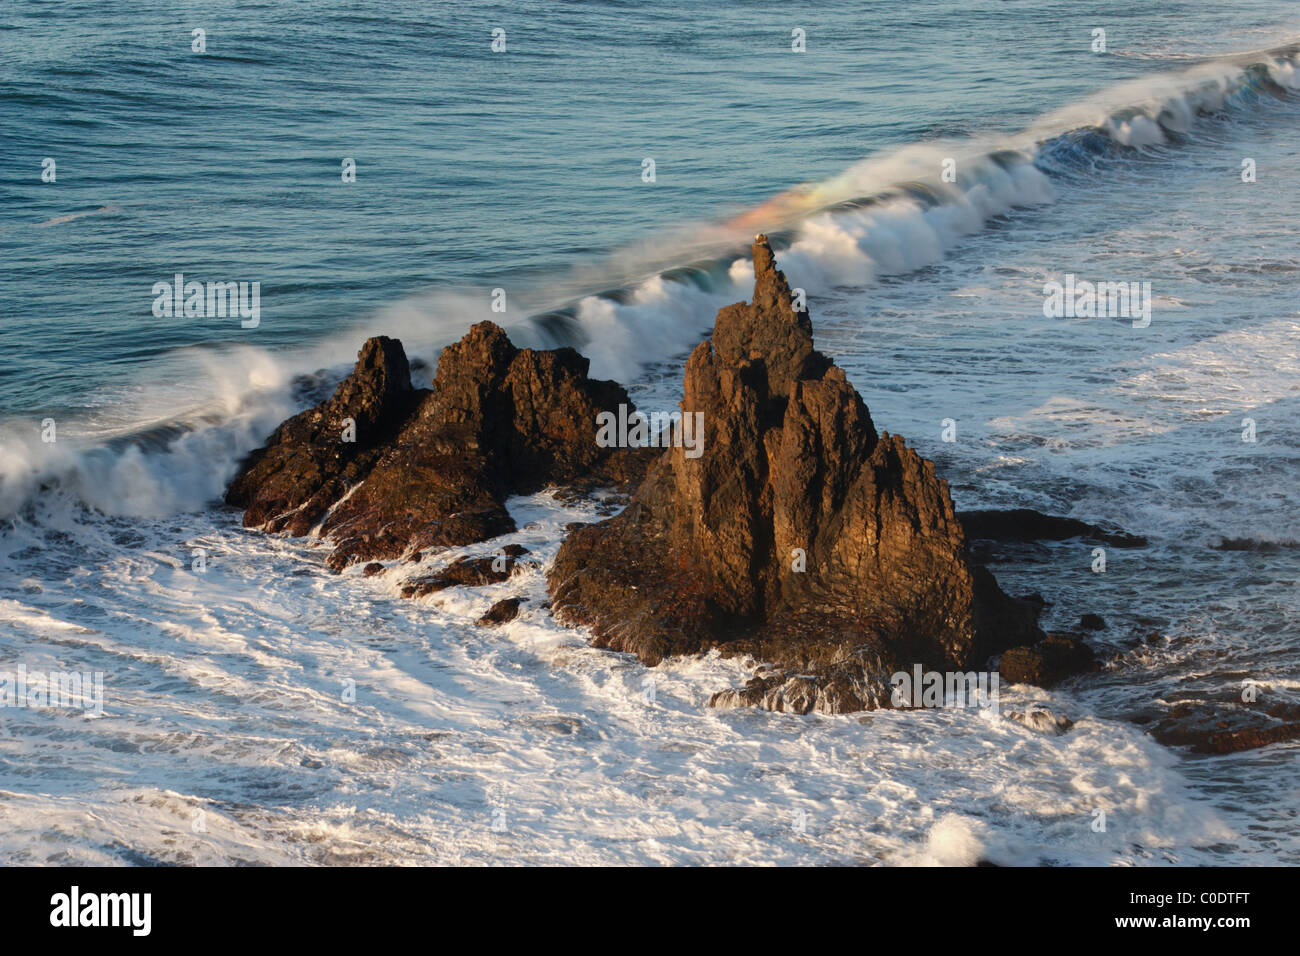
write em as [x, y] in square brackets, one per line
[433, 467]
[799, 536]
[1025, 525]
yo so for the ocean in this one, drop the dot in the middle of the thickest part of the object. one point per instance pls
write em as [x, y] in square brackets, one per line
[380, 168]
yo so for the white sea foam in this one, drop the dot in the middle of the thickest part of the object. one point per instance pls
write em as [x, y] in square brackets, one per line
[453, 722]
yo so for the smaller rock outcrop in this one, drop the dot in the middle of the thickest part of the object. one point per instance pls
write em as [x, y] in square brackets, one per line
[467, 572]
[1224, 727]
[1040, 718]
[1026, 524]
[382, 469]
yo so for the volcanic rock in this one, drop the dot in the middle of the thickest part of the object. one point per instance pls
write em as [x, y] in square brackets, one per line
[800, 536]
[382, 469]
[306, 465]
[469, 572]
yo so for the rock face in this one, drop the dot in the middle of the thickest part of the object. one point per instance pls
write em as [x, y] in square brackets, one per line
[432, 467]
[800, 536]
[306, 465]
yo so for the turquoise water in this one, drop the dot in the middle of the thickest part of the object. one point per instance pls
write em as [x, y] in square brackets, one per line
[475, 170]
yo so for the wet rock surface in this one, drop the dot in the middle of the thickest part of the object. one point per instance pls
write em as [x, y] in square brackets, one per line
[1027, 525]
[801, 536]
[467, 572]
[502, 612]
[1224, 727]
[1040, 718]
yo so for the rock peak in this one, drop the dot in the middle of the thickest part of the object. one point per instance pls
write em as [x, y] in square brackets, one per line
[771, 290]
[770, 328]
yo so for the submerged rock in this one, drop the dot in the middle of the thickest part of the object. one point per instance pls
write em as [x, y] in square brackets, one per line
[1026, 524]
[1048, 662]
[382, 469]
[1040, 718]
[468, 572]
[800, 536]
[1224, 727]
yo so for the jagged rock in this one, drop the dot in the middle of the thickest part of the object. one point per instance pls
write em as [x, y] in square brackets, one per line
[800, 536]
[373, 568]
[433, 467]
[502, 612]
[1048, 662]
[1092, 622]
[1026, 524]
[306, 465]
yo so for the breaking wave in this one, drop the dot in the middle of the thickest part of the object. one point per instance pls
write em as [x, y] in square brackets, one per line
[890, 214]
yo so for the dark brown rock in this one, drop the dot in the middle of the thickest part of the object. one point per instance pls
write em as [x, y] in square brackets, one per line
[432, 468]
[708, 552]
[502, 612]
[1223, 727]
[306, 465]
[1025, 524]
[1092, 622]
[1257, 545]
[1048, 662]
[373, 568]
[471, 572]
